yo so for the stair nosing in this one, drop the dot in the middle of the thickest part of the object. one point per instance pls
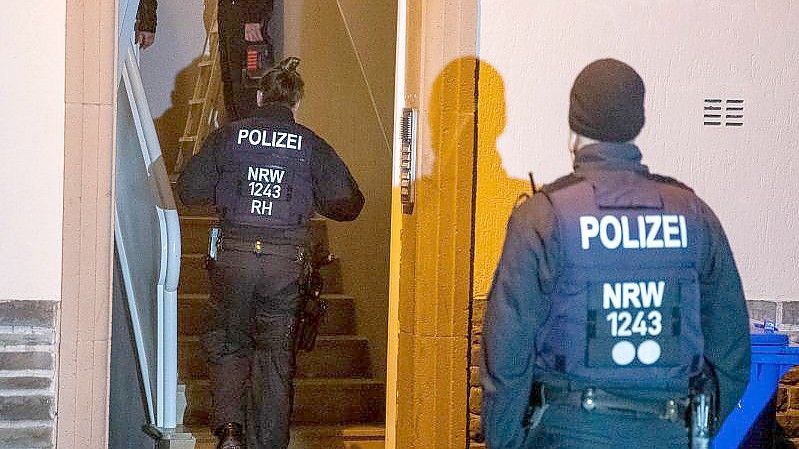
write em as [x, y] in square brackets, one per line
[312, 381]
[194, 255]
[352, 430]
[186, 217]
[342, 296]
[190, 338]
[199, 296]
[193, 296]
[205, 217]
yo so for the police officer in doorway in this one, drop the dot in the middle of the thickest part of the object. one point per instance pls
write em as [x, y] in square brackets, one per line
[241, 23]
[267, 176]
[146, 22]
[616, 289]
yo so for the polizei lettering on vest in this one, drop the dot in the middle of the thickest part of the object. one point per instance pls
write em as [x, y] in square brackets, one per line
[274, 139]
[266, 174]
[633, 295]
[633, 308]
[261, 207]
[642, 232]
[264, 182]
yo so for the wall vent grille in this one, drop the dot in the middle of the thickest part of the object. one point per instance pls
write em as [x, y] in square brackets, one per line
[727, 112]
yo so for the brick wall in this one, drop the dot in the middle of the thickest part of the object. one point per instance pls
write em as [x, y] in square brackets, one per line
[784, 313]
[475, 391]
[27, 364]
[788, 407]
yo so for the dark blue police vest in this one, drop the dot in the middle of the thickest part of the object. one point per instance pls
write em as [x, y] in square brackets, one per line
[266, 175]
[625, 308]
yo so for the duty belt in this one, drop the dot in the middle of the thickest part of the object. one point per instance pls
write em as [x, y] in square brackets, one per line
[601, 401]
[262, 248]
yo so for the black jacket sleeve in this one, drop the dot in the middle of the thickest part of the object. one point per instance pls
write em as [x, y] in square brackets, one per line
[197, 183]
[516, 310]
[257, 11]
[336, 194]
[725, 320]
[146, 18]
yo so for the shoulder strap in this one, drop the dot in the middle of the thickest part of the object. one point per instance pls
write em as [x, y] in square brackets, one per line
[668, 180]
[562, 183]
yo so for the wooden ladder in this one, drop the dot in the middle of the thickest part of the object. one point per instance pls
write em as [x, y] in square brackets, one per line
[205, 106]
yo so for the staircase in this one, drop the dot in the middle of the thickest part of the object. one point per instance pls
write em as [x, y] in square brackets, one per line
[206, 105]
[337, 403]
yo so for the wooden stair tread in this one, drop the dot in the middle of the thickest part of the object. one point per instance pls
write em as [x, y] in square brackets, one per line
[317, 401]
[312, 382]
[206, 296]
[357, 436]
[214, 218]
[346, 430]
[193, 255]
[322, 338]
[195, 218]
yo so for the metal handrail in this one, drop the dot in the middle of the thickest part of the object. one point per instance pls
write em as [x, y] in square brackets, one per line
[161, 403]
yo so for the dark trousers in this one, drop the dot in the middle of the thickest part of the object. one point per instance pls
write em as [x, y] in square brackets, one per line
[240, 101]
[249, 344]
[567, 427]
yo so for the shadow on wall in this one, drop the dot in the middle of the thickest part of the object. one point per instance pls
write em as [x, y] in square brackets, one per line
[497, 194]
[467, 116]
[435, 266]
[171, 124]
[456, 101]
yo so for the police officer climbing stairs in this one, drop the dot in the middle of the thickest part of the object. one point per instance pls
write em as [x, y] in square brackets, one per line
[267, 176]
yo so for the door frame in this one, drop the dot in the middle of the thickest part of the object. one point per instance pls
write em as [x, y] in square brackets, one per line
[427, 380]
[84, 333]
[396, 231]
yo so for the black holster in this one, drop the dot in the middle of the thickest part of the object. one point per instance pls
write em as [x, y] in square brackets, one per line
[312, 307]
[703, 418]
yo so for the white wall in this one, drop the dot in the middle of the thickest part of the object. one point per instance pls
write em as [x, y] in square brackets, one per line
[686, 51]
[347, 52]
[32, 145]
[169, 67]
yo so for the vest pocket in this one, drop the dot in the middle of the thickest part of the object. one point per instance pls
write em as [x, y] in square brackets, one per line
[565, 330]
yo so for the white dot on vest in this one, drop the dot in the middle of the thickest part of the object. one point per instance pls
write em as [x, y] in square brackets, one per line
[649, 352]
[623, 353]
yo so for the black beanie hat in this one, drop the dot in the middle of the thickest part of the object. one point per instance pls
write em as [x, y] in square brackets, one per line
[607, 102]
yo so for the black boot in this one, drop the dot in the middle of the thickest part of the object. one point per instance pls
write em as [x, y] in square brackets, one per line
[230, 436]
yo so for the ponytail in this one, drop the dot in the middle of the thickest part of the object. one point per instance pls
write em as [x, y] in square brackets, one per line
[282, 84]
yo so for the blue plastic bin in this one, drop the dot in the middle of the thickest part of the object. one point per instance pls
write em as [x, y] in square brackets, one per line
[771, 359]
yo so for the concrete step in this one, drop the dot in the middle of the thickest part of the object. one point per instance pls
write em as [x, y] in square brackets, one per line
[27, 434]
[26, 405]
[340, 319]
[344, 356]
[25, 380]
[196, 211]
[194, 233]
[334, 280]
[360, 436]
[184, 210]
[193, 275]
[33, 358]
[336, 356]
[316, 401]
